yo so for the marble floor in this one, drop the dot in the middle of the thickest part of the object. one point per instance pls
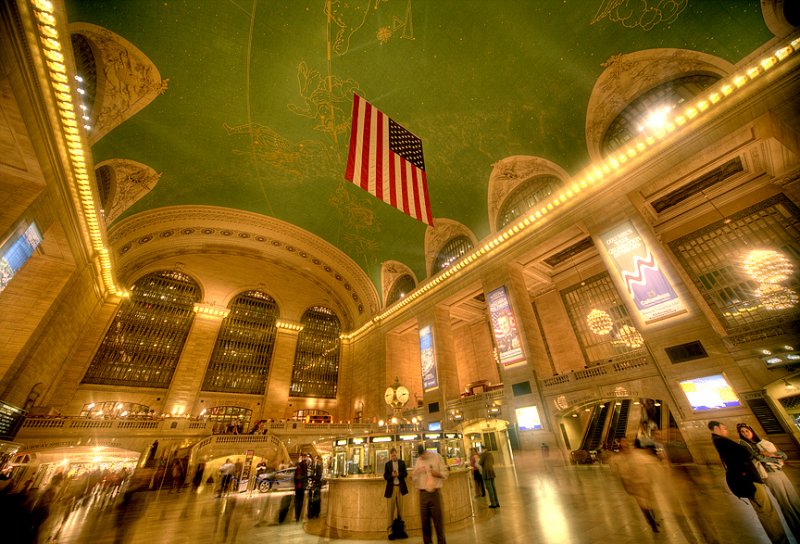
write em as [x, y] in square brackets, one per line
[541, 502]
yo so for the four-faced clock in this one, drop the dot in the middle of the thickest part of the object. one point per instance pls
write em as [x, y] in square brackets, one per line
[402, 395]
[389, 396]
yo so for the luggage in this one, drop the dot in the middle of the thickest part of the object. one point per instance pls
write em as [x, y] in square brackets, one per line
[314, 503]
[398, 530]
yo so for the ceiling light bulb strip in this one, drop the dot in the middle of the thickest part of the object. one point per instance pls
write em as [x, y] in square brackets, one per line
[52, 50]
[596, 174]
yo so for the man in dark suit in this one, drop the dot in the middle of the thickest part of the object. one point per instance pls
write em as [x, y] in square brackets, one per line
[395, 473]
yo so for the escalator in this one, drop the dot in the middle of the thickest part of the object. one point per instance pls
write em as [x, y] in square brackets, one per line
[594, 431]
[619, 423]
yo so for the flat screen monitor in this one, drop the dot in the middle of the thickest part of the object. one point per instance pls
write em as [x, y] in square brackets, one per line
[528, 418]
[435, 426]
[710, 393]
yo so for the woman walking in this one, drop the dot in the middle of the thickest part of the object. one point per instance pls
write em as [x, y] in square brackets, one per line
[474, 463]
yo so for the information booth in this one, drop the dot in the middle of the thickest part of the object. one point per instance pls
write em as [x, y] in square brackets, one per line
[356, 486]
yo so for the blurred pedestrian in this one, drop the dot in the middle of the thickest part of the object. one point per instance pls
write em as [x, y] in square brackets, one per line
[430, 472]
[487, 472]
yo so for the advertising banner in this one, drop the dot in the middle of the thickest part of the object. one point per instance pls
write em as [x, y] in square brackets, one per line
[428, 358]
[504, 326]
[646, 283]
[244, 477]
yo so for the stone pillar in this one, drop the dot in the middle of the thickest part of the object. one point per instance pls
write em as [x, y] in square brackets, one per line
[536, 361]
[439, 320]
[276, 399]
[184, 389]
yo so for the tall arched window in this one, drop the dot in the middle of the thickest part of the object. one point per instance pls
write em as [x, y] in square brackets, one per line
[316, 360]
[229, 419]
[242, 354]
[400, 288]
[144, 342]
[526, 196]
[451, 252]
[651, 106]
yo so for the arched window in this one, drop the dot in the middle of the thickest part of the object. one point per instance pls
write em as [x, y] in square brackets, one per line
[316, 360]
[526, 196]
[229, 419]
[400, 288]
[242, 354]
[451, 252]
[144, 342]
[653, 105]
[617, 337]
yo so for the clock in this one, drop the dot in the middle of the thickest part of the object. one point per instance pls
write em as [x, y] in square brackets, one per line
[402, 395]
[389, 396]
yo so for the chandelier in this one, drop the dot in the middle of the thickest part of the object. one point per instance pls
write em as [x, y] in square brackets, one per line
[768, 266]
[776, 297]
[629, 336]
[599, 322]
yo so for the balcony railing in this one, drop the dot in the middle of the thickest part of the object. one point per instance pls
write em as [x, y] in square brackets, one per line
[627, 364]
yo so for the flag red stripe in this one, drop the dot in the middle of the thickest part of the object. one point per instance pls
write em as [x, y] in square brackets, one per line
[415, 185]
[365, 145]
[429, 217]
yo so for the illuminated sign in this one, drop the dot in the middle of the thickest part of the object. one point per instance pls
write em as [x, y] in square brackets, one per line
[709, 393]
[646, 283]
[528, 418]
[356, 440]
[429, 378]
[451, 436]
[432, 436]
[377, 439]
[504, 326]
[409, 437]
[342, 442]
[435, 426]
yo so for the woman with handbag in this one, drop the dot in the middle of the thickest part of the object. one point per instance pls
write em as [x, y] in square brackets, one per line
[769, 463]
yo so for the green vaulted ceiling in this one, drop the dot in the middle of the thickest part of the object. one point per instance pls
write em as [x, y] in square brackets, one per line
[257, 112]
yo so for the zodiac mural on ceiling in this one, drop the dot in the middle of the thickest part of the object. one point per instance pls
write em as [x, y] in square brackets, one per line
[642, 13]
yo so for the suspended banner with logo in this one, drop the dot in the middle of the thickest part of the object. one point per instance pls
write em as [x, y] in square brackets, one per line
[504, 327]
[428, 359]
[646, 283]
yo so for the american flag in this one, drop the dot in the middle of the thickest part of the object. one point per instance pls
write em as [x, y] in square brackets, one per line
[386, 161]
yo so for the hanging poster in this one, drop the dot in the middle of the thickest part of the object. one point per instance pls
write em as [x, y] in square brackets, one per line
[646, 283]
[429, 378]
[504, 326]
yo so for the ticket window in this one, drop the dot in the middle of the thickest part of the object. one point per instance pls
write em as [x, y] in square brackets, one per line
[381, 457]
[355, 462]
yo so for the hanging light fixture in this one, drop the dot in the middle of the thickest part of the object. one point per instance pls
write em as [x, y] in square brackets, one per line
[629, 336]
[599, 321]
[776, 297]
[768, 266]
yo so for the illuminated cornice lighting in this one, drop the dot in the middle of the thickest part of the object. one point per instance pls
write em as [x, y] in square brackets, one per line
[54, 62]
[211, 310]
[289, 325]
[656, 119]
[601, 172]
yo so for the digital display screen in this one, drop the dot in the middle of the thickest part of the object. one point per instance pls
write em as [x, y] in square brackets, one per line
[528, 418]
[710, 393]
[435, 426]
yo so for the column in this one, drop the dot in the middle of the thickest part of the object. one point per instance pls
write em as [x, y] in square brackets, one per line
[184, 389]
[276, 399]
